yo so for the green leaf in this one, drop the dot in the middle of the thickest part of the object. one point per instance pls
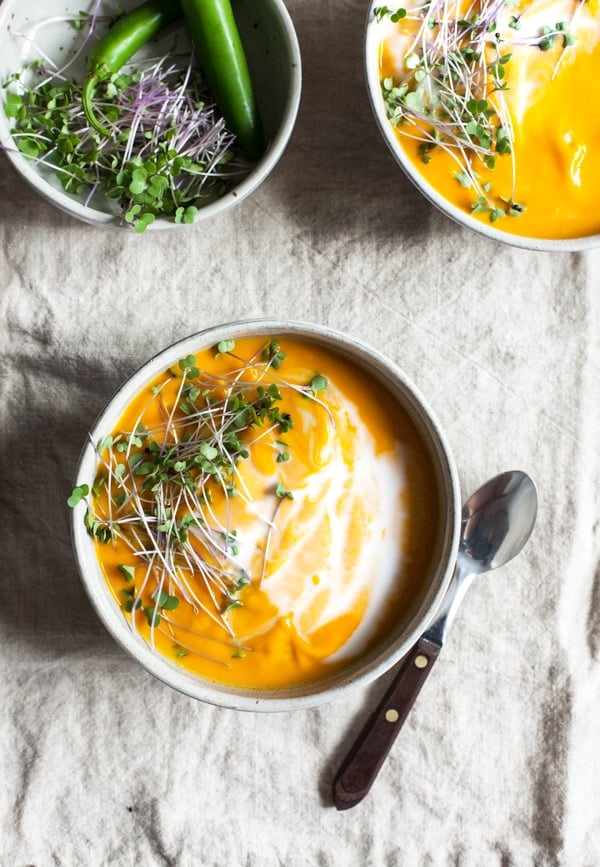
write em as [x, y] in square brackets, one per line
[162, 598]
[208, 451]
[318, 383]
[77, 494]
[170, 603]
[136, 188]
[286, 422]
[29, 147]
[274, 355]
[243, 581]
[157, 186]
[99, 483]
[13, 104]
[127, 571]
[132, 213]
[152, 615]
[281, 492]
[225, 346]
[463, 179]
[189, 363]
[145, 468]
[516, 209]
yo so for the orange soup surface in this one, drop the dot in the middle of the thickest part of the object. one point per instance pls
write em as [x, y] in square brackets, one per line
[264, 512]
[496, 106]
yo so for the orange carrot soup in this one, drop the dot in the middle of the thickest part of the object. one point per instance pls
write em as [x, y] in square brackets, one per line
[495, 104]
[264, 513]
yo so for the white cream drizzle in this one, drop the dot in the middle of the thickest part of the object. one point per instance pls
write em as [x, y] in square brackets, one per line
[351, 475]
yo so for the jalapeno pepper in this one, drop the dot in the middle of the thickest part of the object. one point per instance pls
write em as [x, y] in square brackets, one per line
[221, 56]
[124, 38]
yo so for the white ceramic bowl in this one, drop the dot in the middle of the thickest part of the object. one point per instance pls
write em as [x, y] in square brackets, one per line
[372, 53]
[410, 626]
[273, 55]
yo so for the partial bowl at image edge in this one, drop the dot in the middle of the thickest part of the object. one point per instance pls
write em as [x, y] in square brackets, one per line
[282, 37]
[373, 85]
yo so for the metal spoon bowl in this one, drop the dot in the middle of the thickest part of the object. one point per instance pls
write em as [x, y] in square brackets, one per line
[497, 521]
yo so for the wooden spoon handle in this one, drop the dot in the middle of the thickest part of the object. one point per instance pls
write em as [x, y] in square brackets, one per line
[360, 767]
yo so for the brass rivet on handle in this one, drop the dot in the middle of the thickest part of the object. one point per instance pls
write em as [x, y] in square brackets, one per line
[421, 661]
[392, 715]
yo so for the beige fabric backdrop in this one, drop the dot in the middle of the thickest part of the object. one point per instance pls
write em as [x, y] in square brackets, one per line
[499, 762]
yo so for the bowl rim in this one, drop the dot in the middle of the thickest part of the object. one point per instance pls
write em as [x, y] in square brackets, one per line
[259, 172]
[373, 86]
[111, 616]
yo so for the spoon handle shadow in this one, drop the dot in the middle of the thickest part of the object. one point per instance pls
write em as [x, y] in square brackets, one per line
[368, 753]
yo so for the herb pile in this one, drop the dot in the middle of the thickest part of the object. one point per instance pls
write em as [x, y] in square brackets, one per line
[451, 90]
[156, 489]
[169, 152]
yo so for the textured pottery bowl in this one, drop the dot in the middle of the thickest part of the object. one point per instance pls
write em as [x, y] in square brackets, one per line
[372, 43]
[410, 624]
[273, 55]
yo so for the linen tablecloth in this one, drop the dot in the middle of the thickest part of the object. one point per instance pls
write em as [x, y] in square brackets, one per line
[499, 762]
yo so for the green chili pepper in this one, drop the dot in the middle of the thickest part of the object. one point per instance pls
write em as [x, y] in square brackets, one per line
[124, 38]
[221, 55]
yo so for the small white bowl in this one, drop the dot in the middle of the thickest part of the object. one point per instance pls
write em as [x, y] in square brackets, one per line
[273, 54]
[410, 626]
[373, 80]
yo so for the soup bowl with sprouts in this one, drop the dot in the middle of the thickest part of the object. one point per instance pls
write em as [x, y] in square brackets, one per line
[482, 104]
[266, 515]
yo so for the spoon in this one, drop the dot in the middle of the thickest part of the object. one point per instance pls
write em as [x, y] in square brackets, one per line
[497, 521]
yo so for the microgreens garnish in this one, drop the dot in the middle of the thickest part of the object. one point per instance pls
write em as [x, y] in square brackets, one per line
[281, 491]
[274, 355]
[127, 571]
[450, 94]
[170, 153]
[162, 483]
[224, 347]
[77, 494]
[318, 383]
[380, 12]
